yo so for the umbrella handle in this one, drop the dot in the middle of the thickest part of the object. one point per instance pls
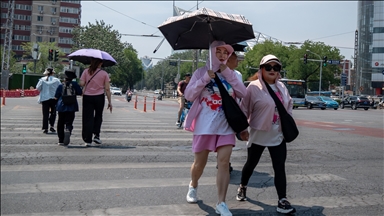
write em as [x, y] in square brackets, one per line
[210, 57]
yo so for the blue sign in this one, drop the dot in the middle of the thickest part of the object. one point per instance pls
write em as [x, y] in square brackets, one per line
[333, 61]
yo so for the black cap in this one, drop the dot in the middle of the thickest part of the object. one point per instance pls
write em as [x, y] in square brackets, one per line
[188, 75]
[70, 74]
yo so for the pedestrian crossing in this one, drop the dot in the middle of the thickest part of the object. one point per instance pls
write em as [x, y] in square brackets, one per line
[143, 168]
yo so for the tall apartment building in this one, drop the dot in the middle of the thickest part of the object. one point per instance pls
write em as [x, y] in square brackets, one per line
[39, 21]
[370, 59]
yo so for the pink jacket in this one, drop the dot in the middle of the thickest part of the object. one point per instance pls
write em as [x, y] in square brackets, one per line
[259, 106]
[200, 79]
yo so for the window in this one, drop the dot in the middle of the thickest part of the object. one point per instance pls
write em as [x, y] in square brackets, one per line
[378, 30]
[40, 8]
[71, 1]
[39, 39]
[21, 17]
[52, 39]
[4, 15]
[69, 10]
[68, 20]
[23, 7]
[65, 30]
[378, 50]
[53, 20]
[53, 10]
[17, 47]
[39, 28]
[4, 5]
[39, 18]
[22, 37]
[66, 50]
[65, 40]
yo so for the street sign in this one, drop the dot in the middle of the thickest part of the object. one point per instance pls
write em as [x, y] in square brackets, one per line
[334, 62]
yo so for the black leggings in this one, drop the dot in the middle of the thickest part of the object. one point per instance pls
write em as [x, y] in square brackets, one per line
[93, 107]
[49, 113]
[278, 156]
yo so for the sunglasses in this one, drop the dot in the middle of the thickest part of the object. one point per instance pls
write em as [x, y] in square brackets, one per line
[269, 67]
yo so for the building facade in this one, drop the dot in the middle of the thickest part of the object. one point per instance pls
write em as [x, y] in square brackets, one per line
[370, 59]
[42, 21]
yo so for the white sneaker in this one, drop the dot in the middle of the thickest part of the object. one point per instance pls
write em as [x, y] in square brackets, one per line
[92, 145]
[192, 194]
[222, 209]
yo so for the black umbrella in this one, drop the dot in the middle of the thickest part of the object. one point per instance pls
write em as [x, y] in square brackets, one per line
[239, 46]
[198, 29]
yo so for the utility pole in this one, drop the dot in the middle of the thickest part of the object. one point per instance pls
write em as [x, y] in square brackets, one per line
[321, 67]
[7, 45]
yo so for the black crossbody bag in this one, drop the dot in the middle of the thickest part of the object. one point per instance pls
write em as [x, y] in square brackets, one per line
[288, 124]
[235, 116]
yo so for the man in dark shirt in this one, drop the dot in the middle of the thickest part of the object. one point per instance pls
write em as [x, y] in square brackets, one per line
[180, 91]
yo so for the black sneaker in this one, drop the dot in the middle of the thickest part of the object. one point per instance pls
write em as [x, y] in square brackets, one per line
[241, 193]
[67, 135]
[45, 131]
[285, 207]
[52, 130]
[97, 140]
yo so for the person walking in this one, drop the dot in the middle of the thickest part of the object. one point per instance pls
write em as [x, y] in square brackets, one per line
[264, 129]
[180, 91]
[95, 82]
[47, 87]
[66, 112]
[206, 119]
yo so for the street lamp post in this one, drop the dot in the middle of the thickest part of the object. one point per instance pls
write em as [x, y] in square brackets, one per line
[321, 67]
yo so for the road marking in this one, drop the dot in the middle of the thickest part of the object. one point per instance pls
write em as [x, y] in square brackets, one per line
[267, 206]
[48, 187]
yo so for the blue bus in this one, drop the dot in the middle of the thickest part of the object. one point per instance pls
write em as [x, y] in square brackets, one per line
[296, 89]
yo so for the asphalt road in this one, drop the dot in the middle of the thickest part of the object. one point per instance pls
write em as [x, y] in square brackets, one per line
[334, 167]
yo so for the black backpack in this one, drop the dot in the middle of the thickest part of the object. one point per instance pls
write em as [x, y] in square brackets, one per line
[69, 95]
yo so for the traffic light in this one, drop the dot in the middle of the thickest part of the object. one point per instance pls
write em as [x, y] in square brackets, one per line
[325, 61]
[305, 58]
[343, 79]
[24, 69]
[56, 56]
[50, 55]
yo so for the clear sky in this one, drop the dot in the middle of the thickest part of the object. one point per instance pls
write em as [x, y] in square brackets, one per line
[331, 22]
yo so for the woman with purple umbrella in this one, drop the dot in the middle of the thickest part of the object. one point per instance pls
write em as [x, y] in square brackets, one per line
[95, 82]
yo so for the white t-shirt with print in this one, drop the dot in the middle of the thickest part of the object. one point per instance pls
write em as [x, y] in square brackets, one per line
[268, 138]
[211, 119]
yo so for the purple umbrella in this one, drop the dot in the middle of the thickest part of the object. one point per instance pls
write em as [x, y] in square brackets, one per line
[84, 56]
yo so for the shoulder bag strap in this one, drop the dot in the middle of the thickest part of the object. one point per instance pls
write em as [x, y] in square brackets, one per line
[85, 86]
[279, 105]
[220, 85]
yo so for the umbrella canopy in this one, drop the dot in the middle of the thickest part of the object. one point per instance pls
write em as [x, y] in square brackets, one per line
[239, 46]
[84, 56]
[198, 29]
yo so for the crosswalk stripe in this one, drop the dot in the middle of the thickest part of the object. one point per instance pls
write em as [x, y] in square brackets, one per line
[267, 206]
[43, 187]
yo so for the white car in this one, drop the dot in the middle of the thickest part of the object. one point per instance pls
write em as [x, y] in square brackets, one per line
[116, 91]
[157, 91]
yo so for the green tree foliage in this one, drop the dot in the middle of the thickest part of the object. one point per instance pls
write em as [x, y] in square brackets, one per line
[293, 66]
[42, 63]
[101, 36]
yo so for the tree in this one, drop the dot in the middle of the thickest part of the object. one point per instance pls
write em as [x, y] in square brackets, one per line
[101, 36]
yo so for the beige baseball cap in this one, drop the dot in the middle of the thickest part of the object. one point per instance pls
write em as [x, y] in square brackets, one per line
[269, 58]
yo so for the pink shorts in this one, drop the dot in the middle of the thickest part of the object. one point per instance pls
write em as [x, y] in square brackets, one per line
[211, 142]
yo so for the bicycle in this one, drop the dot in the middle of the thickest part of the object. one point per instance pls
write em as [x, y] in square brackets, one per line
[187, 106]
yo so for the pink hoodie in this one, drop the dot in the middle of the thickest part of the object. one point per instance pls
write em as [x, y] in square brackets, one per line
[200, 79]
[259, 106]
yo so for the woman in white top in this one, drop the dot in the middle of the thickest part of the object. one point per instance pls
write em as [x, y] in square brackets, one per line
[47, 87]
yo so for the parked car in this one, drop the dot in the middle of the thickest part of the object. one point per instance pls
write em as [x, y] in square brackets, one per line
[116, 91]
[157, 91]
[329, 102]
[355, 102]
[314, 102]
